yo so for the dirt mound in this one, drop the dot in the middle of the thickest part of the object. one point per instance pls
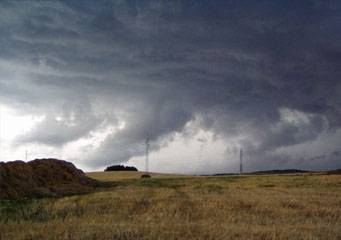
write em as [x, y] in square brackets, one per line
[41, 178]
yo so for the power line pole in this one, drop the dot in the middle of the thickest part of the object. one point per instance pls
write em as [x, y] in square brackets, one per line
[26, 153]
[147, 154]
[1, 133]
[241, 161]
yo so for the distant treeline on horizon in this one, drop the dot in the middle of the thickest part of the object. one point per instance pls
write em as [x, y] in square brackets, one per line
[120, 168]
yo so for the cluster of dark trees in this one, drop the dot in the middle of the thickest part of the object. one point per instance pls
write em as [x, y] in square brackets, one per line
[120, 168]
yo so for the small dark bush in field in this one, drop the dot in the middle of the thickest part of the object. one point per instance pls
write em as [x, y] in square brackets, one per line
[145, 176]
[120, 168]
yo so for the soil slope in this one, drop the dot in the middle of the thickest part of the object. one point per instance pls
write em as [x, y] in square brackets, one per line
[41, 178]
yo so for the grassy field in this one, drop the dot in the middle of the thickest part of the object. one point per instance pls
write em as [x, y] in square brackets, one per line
[121, 175]
[305, 206]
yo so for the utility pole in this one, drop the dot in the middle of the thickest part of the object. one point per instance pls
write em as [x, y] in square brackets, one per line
[241, 161]
[147, 154]
[1, 134]
[26, 153]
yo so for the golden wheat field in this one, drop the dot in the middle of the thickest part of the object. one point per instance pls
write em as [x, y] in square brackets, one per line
[302, 206]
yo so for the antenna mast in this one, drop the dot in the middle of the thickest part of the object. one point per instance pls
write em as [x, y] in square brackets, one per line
[241, 161]
[147, 154]
[0, 133]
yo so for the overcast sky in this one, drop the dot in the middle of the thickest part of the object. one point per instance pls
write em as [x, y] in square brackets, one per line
[88, 81]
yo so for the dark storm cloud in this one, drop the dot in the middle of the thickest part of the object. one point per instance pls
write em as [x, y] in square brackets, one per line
[265, 72]
[60, 127]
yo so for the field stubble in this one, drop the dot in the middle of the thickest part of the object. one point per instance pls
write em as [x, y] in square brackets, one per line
[303, 206]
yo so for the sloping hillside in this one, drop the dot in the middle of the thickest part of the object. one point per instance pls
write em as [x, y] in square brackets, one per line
[42, 177]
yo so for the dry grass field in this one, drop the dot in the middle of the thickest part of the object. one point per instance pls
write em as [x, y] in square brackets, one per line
[302, 206]
[121, 175]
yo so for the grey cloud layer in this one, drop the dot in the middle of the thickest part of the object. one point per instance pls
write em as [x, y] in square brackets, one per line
[230, 66]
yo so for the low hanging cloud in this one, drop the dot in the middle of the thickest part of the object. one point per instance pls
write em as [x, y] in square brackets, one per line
[58, 128]
[263, 75]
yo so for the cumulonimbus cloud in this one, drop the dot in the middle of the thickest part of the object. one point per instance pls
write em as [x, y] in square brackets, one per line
[265, 74]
